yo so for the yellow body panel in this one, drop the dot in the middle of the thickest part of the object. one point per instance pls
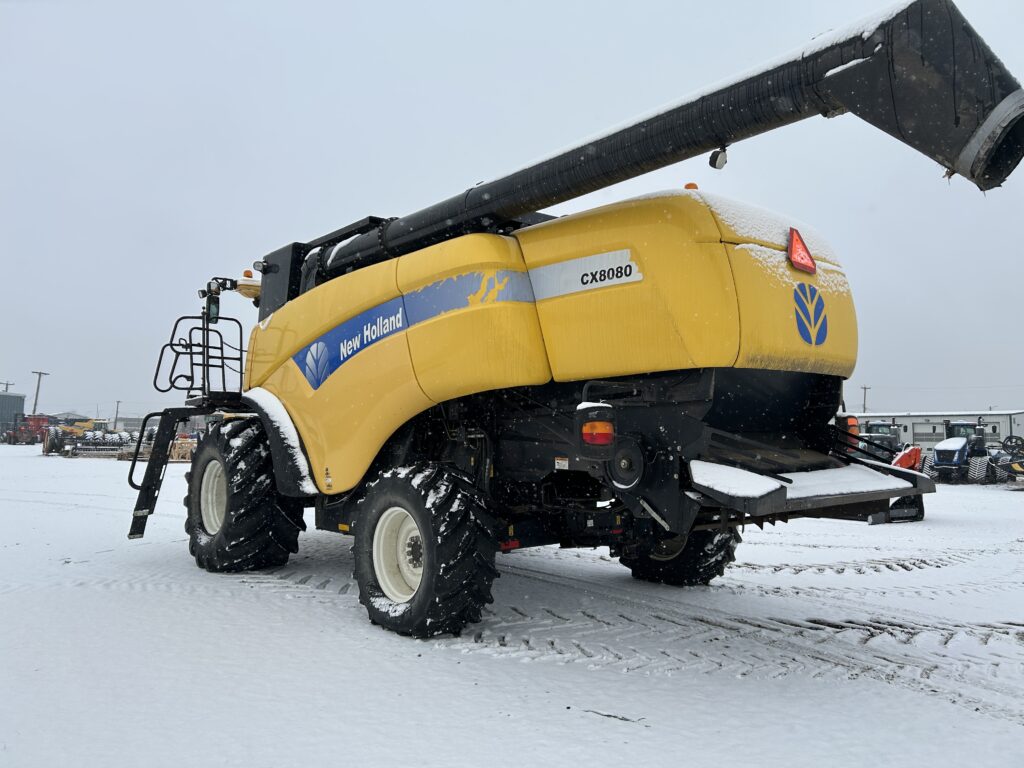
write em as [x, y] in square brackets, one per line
[765, 282]
[302, 320]
[681, 314]
[344, 423]
[485, 334]
[647, 285]
[467, 254]
[463, 325]
[703, 301]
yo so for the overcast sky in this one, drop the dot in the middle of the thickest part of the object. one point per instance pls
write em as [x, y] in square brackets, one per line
[145, 147]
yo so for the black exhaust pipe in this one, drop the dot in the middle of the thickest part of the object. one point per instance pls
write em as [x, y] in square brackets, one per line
[921, 74]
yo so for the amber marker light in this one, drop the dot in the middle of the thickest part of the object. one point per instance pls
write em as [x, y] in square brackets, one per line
[598, 432]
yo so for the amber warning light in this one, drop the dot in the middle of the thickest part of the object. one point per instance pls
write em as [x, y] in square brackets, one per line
[799, 255]
[598, 433]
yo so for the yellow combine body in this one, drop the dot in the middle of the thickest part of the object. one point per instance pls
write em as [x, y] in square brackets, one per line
[673, 282]
[649, 376]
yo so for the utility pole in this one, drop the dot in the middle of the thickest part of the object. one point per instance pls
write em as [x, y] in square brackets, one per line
[117, 410]
[7, 385]
[39, 380]
[864, 405]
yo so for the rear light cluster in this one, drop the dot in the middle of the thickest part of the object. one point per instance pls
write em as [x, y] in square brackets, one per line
[597, 432]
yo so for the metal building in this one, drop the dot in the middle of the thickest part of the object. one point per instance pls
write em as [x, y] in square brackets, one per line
[927, 428]
[11, 407]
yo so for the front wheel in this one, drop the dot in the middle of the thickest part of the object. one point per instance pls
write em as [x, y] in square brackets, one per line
[685, 561]
[424, 551]
[237, 521]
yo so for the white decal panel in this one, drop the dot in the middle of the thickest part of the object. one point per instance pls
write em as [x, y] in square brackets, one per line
[584, 274]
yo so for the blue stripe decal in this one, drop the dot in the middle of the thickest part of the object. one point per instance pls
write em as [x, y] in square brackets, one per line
[323, 357]
[466, 290]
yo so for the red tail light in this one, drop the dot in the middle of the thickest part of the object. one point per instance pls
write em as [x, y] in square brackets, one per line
[799, 255]
[598, 433]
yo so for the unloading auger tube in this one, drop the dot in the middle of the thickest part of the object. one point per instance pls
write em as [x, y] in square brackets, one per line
[920, 73]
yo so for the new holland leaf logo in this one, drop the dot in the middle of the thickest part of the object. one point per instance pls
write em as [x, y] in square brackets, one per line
[316, 364]
[811, 320]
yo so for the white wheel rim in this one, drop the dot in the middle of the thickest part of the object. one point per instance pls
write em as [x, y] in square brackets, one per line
[398, 555]
[213, 497]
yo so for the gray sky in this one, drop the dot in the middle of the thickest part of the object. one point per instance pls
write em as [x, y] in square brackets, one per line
[145, 147]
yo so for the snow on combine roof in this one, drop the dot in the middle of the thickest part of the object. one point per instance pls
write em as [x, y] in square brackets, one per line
[751, 222]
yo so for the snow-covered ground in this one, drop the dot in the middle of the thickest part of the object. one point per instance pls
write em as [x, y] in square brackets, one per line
[835, 644]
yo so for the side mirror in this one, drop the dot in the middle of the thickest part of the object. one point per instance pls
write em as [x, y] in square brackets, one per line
[212, 308]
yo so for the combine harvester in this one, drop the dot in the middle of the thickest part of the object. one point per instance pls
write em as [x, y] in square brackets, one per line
[649, 375]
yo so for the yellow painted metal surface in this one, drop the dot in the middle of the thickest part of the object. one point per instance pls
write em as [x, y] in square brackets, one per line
[312, 314]
[485, 334]
[465, 323]
[647, 285]
[344, 422]
[681, 314]
[769, 337]
[717, 291]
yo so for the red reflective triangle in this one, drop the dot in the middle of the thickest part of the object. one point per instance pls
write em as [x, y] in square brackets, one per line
[799, 255]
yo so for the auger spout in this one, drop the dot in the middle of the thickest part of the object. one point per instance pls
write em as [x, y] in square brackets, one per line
[918, 72]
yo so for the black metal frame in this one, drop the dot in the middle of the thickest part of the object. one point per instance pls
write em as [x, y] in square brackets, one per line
[208, 368]
[203, 363]
[849, 443]
[156, 466]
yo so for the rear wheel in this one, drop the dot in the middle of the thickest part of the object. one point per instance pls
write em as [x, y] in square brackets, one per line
[685, 561]
[237, 521]
[424, 551]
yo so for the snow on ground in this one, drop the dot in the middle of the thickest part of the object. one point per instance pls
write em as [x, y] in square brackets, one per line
[836, 644]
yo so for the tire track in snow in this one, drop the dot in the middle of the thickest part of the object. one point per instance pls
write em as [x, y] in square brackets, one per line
[912, 655]
[650, 630]
[859, 567]
[638, 631]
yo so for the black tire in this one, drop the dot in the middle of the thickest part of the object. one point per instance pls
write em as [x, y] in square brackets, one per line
[52, 442]
[453, 542]
[701, 559]
[260, 527]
